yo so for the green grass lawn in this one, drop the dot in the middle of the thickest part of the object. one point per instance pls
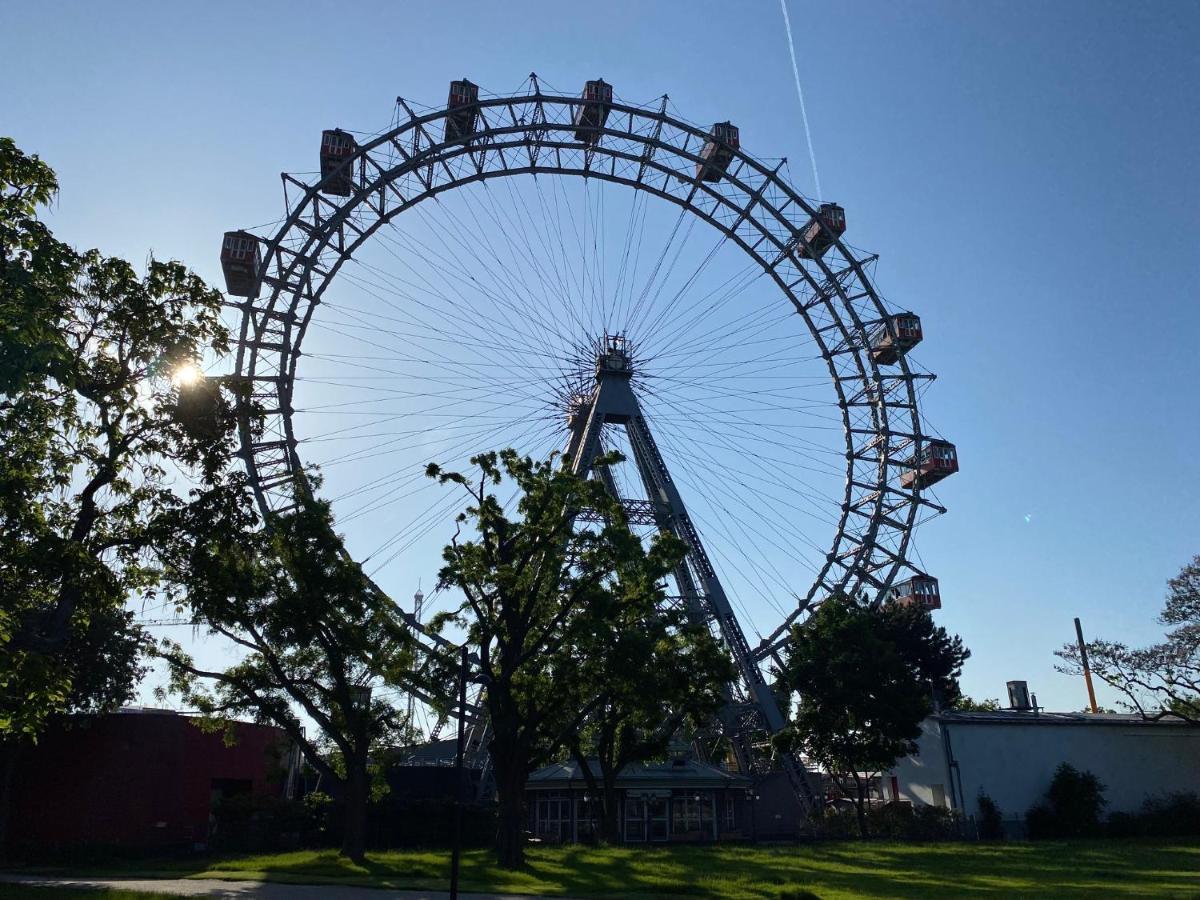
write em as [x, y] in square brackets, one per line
[1095, 869]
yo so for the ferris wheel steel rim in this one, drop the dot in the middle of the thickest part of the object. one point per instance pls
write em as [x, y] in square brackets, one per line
[751, 205]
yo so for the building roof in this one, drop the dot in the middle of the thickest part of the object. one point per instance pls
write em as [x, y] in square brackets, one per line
[1029, 717]
[680, 772]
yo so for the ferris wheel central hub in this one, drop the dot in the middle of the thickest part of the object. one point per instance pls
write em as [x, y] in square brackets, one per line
[614, 356]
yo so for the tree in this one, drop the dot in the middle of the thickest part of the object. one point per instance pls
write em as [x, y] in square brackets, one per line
[315, 632]
[991, 820]
[87, 352]
[864, 679]
[643, 672]
[526, 584]
[968, 704]
[1071, 808]
[1162, 679]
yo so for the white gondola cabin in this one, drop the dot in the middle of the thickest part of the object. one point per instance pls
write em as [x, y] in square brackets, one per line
[895, 337]
[936, 460]
[822, 231]
[921, 590]
[592, 113]
[463, 108]
[337, 174]
[717, 153]
[241, 261]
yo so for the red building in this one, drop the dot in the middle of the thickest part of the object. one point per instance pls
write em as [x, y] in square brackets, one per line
[138, 779]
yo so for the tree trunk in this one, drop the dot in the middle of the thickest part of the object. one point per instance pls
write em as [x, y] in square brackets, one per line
[610, 823]
[860, 802]
[510, 825]
[354, 835]
[9, 751]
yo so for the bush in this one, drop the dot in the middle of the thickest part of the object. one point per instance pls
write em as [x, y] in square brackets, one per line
[1167, 815]
[253, 822]
[898, 821]
[991, 822]
[1072, 806]
[1171, 815]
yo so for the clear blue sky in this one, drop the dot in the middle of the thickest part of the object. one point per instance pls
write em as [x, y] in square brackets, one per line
[1025, 170]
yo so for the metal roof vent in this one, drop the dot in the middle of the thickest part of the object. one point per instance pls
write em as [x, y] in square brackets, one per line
[1018, 696]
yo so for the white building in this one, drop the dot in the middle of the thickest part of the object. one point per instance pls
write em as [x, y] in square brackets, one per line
[1011, 756]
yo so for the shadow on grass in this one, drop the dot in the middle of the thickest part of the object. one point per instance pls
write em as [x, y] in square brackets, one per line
[1102, 868]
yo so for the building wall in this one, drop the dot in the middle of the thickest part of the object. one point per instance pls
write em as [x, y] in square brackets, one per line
[1013, 762]
[139, 780]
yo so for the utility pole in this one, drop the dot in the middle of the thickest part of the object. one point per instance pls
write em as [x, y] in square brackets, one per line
[1087, 672]
[458, 774]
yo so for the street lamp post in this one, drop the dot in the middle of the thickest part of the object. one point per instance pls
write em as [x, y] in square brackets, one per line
[456, 849]
[752, 797]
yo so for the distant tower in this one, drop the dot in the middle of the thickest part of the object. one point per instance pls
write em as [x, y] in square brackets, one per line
[418, 600]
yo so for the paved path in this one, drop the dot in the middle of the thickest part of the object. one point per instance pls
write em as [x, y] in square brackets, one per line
[243, 890]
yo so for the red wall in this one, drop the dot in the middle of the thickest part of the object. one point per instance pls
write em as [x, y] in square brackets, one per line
[134, 779]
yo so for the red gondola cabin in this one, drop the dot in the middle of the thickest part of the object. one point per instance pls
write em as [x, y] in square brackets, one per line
[822, 231]
[717, 152]
[921, 590]
[241, 262]
[888, 344]
[936, 460]
[591, 115]
[464, 111]
[337, 175]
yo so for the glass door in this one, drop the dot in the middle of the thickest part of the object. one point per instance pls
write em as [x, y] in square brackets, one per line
[656, 810]
[635, 820]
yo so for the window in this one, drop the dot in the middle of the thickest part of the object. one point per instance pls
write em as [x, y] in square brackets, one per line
[553, 816]
[730, 813]
[635, 819]
[587, 814]
[691, 816]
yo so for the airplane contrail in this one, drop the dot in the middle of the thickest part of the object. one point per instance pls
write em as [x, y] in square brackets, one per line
[787, 25]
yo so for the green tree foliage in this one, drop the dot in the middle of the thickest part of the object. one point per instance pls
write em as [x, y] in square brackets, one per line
[864, 679]
[1071, 808]
[969, 704]
[643, 672]
[536, 594]
[87, 349]
[1162, 679]
[991, 820]
[314, 631]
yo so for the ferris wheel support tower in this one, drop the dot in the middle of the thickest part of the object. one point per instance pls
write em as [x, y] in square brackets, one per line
[750, 706]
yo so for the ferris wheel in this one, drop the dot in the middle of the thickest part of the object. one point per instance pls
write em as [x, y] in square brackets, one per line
[553, 271]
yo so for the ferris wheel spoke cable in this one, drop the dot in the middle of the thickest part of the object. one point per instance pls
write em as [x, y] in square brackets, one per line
[768, 475]
[475, 438]
[635, 306]
[467, 315]
[766, 584]
[505, 302]
[792, 446]
[420, 528]
[717, 341]
[527, 295]
[523, 250]
[407, 315]
[717, 549]
[433, 359]
[679, 328]
[716, 464]
[356, 324]
[669, 307]
[638, 316]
